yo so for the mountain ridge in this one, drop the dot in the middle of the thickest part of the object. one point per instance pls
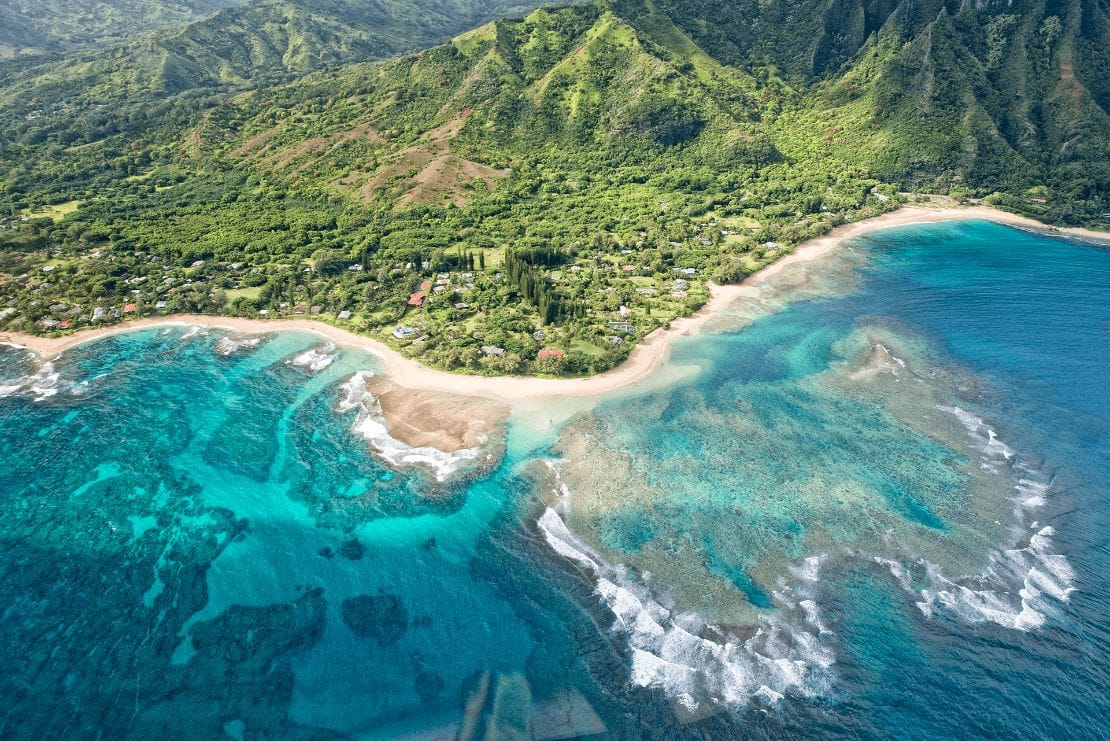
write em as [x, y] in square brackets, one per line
[567, 180]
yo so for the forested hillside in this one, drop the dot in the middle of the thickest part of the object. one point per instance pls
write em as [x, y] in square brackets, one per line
[41, 26]
[158, 86]
[534, 196]
[1000, 95]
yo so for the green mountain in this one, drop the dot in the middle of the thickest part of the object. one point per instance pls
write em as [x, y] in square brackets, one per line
[40, 26]
[165, 80]
[1009, 96]
[263, 41]
[564, 181]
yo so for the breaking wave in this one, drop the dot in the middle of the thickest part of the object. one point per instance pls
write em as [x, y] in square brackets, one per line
[791, 650]
[193, 331]
[696, 663]
[229, 345]
[316, 359]
[370, 424]
[41, 385]
[1022, 584]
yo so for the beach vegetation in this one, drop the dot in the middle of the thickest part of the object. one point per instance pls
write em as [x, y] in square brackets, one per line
[534, 180]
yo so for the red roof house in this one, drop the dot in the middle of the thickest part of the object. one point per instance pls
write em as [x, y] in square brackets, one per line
[550, 353]
[130, 308]
[417, 299]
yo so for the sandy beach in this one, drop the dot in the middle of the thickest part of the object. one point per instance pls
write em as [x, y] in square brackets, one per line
[644, 359]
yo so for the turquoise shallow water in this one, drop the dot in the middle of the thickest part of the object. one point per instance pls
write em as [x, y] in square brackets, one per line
[880, 509]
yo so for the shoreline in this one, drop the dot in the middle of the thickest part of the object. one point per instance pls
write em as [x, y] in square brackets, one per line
[648, 355]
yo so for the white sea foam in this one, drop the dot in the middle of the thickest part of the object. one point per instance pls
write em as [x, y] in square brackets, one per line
[82, 388]
[41, 385]
[11, 388]
[193, 331]
[316, 359]
[371, 425]
[786, 653]
[790, 651]
[1022, 585]
[1032, 493]
[228, 345]
[994, 454]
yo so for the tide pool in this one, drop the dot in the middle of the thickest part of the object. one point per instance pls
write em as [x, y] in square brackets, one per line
[878, 509]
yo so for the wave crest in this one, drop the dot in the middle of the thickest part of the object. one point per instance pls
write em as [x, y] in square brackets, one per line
[370, 424]
[315, 359]
[691, 661]
[1022, 585]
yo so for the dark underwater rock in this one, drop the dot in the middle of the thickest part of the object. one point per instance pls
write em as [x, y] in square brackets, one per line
[381, 617]
[352, 550]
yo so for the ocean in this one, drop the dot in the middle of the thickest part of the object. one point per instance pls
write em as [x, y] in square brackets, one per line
[873, 503]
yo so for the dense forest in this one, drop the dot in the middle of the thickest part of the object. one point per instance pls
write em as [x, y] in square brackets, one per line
[566, 182]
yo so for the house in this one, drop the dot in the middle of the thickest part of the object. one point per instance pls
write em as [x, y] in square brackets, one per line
[614, 340]
[548, 352]
[620, 326]
[402, 332]
[98, 313]
[493, 350]
[646, 291]
[160, 305]
[343, 315]
[417, 299]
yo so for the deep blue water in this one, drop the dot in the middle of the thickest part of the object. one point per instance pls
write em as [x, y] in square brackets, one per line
[879, 510]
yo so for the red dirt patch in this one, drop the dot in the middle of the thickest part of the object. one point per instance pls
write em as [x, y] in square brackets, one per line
[255, 142]
[318, 147]
[444, 178]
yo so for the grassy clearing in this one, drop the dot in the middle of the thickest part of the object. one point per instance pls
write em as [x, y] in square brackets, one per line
[586, 348]
[251, 294]
[56, 211]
